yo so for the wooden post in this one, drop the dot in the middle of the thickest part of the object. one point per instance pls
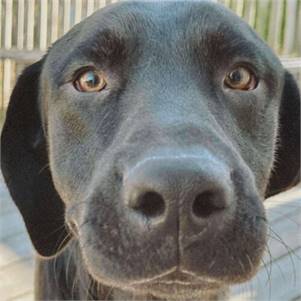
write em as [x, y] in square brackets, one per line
[240, 7]
[250, 12]
[101, 3]
[30, 24]
[290, 26]
[7, 64]
[54, 20]
[298, 35]
[78, 11]
[261, 25]
[8, 24]
[1, 87]
[1, 24]
[20, 34]
[66, 15]
[275, 24]
[90, 7]
[43, 24]
[1, 70]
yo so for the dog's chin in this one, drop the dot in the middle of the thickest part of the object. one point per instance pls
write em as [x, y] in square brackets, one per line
[173, 286]
[169, 290]
[177, 290]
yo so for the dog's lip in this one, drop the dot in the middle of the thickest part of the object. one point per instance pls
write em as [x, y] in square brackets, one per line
[178, 282]
[178, 277]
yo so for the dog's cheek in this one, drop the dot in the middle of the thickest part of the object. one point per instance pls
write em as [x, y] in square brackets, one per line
[251, 223]
[256, 140]
[70, 156]
[263, 144]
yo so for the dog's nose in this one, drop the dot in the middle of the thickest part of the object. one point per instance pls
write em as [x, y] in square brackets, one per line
[164, 187]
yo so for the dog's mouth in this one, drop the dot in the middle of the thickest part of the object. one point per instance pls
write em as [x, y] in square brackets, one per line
[179, 282]
[177, 276]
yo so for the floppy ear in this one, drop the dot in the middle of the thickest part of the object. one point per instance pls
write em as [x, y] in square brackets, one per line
[287, 166]
[24, 164]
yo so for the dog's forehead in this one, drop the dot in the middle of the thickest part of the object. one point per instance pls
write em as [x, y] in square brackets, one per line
[144, 18]
[153, 20]
[155, 25]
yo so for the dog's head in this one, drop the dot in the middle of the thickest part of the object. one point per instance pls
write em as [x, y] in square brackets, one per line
[154, 131]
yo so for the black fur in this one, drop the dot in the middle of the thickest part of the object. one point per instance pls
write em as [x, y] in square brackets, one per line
[24, 163]
[166, 123]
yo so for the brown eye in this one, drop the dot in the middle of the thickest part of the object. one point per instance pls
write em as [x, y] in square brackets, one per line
[90, 81]
[241, 78]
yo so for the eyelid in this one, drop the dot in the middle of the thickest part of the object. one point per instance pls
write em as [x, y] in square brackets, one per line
[81, 71]
[75, 71]
[247, 65]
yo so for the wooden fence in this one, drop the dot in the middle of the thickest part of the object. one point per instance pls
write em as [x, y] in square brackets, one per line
[28, 27]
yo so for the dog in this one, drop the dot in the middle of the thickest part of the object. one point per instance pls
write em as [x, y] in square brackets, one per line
[140, 148]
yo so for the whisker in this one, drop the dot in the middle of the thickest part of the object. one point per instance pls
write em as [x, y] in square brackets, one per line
[43, 168]
[269, 282]
[288, 248]
[270, 262]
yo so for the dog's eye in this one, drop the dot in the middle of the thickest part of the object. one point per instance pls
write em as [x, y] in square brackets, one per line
[90, 81]
[241, 78]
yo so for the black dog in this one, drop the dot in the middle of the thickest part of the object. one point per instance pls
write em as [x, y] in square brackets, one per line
[153, 131]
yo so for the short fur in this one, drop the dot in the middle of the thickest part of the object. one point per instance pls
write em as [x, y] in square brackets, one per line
[68, 158]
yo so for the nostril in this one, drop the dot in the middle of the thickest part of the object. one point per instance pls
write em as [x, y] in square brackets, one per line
[207, 203]
[151, 204]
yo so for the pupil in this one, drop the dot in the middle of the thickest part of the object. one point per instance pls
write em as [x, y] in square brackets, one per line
[235, 76]
[91, 79]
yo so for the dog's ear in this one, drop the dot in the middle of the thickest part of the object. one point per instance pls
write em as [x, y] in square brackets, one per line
[24, 163]
[286, 172]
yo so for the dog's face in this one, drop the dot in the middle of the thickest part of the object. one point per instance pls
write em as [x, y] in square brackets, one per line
[160, 121]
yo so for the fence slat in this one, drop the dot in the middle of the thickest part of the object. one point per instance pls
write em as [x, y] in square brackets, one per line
[1, 86]
[262, 14]
[290, 26]
[30, 24]
[20, 33]
[90, 7]
[227, 2]
[298, 33]
[101, 3]
[43, 24]
[8, 24]
[66, 23]
[78, 11]
[1, 25]
[54, 20]
[275, 24]
[250, 12]
[239, 7]
[7, 66]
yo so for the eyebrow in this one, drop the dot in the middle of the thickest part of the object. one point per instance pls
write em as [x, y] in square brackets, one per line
[227, 42]
[104, 46]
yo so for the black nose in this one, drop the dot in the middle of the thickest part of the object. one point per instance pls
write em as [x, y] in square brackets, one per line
[163, 187]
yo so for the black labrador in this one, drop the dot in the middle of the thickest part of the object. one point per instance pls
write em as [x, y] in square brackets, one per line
[140, 149]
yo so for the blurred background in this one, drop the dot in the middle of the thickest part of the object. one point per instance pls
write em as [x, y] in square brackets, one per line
[29, 27]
